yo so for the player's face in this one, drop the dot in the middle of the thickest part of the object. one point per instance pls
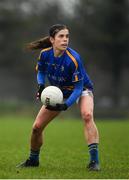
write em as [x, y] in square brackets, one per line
[61, 40]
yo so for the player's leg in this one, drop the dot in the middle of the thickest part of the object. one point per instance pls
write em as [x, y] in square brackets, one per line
[90, 130]
[43, 118]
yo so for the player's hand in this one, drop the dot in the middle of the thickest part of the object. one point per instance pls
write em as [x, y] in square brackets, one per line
[40, 89]
[58, 107]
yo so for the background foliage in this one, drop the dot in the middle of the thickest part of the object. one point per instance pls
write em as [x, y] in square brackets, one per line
[99, 32]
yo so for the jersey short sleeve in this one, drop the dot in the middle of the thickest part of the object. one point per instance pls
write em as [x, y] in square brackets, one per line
[40, 67]
[76, 67]
[41, 62]
[77, 73]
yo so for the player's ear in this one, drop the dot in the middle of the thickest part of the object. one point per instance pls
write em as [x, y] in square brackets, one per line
[52, 40]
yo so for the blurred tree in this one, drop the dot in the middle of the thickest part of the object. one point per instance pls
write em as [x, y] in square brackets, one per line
[22, 22]
[99, 32]
[117, 26]
[102, 28]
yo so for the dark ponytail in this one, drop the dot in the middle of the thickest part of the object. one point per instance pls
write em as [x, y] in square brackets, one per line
[39, 44]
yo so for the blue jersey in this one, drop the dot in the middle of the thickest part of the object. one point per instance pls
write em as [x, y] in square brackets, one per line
[63, 71]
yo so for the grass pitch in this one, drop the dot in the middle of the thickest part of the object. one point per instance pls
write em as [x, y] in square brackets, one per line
[65, 153]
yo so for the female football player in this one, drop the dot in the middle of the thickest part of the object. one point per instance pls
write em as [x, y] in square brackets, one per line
[63, 68]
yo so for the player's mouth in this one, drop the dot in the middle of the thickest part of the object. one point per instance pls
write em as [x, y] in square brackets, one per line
[64, 45]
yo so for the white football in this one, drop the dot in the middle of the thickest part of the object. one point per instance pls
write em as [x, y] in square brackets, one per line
[51, 95]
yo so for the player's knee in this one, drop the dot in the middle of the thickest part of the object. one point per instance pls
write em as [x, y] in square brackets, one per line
[36, 129]
[87, 116]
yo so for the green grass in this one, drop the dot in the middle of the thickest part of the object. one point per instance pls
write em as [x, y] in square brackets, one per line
[65, 153]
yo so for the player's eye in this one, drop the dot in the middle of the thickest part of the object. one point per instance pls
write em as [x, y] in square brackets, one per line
[61, 36]
[67, 36]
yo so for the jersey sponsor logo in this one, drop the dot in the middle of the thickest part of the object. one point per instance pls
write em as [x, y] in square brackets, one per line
[62, 68]
[55, 78]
